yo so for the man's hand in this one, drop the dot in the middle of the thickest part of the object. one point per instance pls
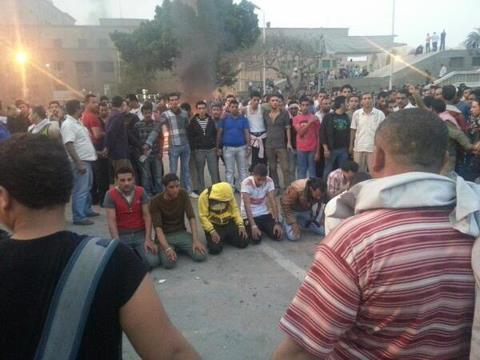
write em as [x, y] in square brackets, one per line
[476, 148]
[199, 248]
[150, 246]
[295, 229]
[249, 150]
[350, 150]
[146, 149]
[277, 231]
[171, 254]
[317, 156]
[289, 147]
[81, 168]
[256, 233]
[242, 232]
[215, 237]
[219, 152]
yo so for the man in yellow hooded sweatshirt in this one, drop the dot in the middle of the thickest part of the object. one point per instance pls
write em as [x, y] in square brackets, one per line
[221, 219]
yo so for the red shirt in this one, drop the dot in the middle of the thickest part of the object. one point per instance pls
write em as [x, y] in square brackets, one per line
[309, 141]
[387, 284]
[91, 120]
[129, 216]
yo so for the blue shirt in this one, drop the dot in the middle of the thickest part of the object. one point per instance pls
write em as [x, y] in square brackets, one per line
[4, 133]
[233, 130]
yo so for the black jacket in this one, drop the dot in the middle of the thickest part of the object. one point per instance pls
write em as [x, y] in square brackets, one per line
[200, 140]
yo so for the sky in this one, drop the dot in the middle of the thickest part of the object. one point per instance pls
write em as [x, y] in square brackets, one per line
[413, 18]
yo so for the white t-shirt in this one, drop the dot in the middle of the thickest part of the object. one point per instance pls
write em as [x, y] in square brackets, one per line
[258, 196]
[75, 132]
[255, 120]
[366, 125]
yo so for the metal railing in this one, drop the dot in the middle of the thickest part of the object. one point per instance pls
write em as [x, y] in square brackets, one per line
[470, 78]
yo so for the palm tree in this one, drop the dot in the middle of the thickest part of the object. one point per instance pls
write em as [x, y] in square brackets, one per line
[473, 39]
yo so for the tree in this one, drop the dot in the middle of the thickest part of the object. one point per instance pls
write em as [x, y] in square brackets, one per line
[293, 59]
[473, 40]
[193, 39]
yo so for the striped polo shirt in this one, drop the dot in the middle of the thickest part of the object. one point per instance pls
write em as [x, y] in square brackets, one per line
[387, 284]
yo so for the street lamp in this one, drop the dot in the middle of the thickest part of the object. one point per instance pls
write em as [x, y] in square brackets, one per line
[264, 36]
[21, 57]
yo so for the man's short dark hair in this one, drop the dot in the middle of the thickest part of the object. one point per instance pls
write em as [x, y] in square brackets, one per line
[438, 106]
[36, 171]
[346, 86]
[427, 101]
[56, 102]
[186, 106]
[102, 104]
[449, 92]
[233, 102]
[260, 170]
[277, 95]
[20, 102]
[255, 94]
[124, 170]
[88, 97]
[216, 105]
[104, 98]
[72, 106]
[201, 102]
[317, 183]
[40, 111]
[349, 165]
[383, 95]
[415, 138]
[117, 101]
[173, 94]
[360, 177]
[404, 92]
[147, 106]
[304, 98]
[132, 97]
[338, 102]
[167, 179]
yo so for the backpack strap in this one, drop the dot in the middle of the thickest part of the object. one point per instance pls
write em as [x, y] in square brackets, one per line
[70, 305]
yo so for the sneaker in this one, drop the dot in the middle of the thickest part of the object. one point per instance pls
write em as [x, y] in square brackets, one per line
[93, 214]
[193, 195]
[83, 222]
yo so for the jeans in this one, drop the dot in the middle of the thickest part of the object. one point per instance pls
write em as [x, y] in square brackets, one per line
[228, 234]
[182, 152]
[306, 161]
[232, 155]
[151, 173]
[181, 242]
[210, 157]
[304, 220]
[292, 165]
[337, 157]
[81, 197]
[274, 156]
[135, 240]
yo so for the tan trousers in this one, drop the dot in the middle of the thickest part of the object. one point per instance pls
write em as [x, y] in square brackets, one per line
[363, 159]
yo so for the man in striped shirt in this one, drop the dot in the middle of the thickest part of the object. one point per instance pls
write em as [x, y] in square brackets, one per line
[395, 280]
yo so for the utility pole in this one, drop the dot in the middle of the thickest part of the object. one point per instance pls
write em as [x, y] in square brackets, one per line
[392, 57]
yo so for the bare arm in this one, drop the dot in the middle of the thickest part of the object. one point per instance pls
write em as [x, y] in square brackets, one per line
[193, 228]
[149, 329]
[112, 223]
[353, 133]
[246, 132]
[219, 137]
[164, 245]
[290, 350]
[98, 133]
[289, 137]
[248, 209]
[73, 154]
[147, 218]
[273, 205]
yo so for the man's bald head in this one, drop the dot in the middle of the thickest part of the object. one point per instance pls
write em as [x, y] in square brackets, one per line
[411, 140]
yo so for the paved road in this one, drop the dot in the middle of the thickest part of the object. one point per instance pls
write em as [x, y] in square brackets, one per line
[229, 306]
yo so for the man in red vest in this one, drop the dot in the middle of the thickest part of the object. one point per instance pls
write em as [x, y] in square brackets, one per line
[128, 214]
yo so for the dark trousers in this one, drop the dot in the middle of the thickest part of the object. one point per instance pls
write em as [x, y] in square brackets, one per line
[265, 224]
[434, 46]
[101, 168]
[228, 234]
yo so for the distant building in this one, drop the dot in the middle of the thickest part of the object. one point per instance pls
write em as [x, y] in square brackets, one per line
[62, 59]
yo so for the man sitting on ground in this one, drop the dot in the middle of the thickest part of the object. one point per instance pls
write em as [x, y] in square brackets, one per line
[168, 210]
[258, 195]
[395, 280]
[220, 218]
[339, 180]
[128, 216]
[297, 203]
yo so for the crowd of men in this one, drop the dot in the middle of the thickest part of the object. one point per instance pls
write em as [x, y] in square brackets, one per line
[393, 275]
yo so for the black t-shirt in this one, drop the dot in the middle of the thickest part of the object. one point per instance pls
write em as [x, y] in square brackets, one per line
[335, 131]
[29, 272]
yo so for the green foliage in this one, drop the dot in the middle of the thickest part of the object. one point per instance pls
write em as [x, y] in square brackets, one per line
[179, 32]
[473, 40]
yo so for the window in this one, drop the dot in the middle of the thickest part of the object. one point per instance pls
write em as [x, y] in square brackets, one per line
[457, 62]
[325, 64]
[57, 43]
[103, 43]
[106, 66]
[476, 61]
[334, 64]
[82, 43]
[84, 69]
